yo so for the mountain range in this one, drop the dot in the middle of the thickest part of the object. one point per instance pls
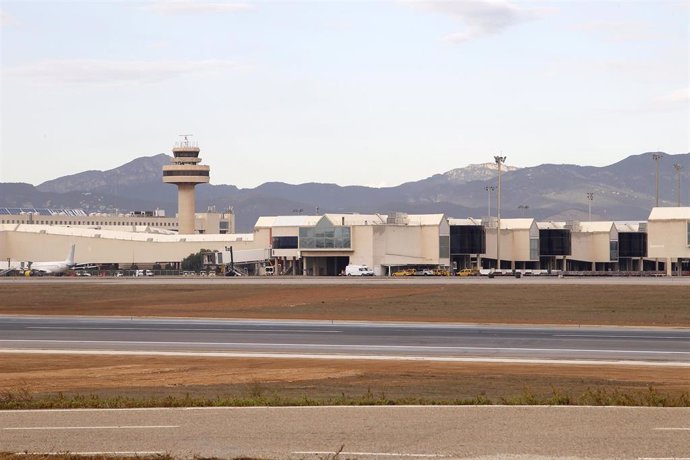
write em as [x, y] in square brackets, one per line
[622, 191]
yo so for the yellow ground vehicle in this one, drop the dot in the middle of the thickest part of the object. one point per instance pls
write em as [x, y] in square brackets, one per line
[468, 272]
[441, 272]
[408, 272]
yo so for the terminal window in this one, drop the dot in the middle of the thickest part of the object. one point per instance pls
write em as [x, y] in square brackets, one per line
[613, 245]
[325, 237]
[444, 246]
[534, 248]
[284, 242]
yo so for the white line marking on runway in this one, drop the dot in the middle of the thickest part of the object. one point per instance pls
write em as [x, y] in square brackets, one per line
[372, 454]
[343, 346]
[66, 328]
[620, 336]
[663, 458]
[110, 427]
[331, 356]
[672, 429]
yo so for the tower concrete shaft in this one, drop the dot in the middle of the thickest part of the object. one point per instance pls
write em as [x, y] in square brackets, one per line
[186, 172]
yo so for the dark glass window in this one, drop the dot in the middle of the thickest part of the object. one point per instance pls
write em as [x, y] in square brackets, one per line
[467, 239]
[186, 154]
[632, 244]
[613, 245]
[186, 173]
[554, 242]
[284, 242]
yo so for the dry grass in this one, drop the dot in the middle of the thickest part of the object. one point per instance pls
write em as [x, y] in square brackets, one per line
[536, 304]
[295, 379]
[69, 456]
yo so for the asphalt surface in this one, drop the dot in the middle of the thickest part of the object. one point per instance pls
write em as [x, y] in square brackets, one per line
[362, 432]
[346, 339]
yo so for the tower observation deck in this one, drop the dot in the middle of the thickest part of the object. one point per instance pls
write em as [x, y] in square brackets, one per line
[186, 172]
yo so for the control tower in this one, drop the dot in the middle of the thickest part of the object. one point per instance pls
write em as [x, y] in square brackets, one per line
[185, 172]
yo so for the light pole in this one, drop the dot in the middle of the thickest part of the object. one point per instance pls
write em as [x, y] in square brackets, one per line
[499, 161]
[590, 198]
[489, 189]
[678, 168]
[524, 208]
[656, 157]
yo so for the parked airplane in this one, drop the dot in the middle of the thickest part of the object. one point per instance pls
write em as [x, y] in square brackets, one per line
[53, 267]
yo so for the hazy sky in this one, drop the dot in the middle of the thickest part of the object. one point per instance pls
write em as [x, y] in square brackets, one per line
[351, 92]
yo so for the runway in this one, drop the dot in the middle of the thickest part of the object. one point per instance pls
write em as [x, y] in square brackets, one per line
[347, 340]
[360, 432]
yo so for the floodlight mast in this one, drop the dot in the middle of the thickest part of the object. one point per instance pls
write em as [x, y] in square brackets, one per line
[657, 157]
[590, 198]
[678, 169]
[489, 189]
[500, 160]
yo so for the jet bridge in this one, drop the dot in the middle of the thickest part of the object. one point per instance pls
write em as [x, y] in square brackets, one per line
[252, 260]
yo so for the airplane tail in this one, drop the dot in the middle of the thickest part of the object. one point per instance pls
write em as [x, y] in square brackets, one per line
[70, 257]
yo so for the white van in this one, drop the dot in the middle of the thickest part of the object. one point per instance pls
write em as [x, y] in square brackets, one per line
[358, 270]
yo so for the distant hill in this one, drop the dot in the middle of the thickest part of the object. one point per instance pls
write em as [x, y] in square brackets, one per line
[622, 191]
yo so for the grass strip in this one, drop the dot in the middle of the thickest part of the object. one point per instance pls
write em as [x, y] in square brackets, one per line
[22, 399]
[71, 456]
[74, 456]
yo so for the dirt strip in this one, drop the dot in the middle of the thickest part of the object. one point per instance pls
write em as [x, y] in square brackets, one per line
[210, 377]
[528, 304]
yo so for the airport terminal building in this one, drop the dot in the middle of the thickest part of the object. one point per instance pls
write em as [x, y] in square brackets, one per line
[323, 245]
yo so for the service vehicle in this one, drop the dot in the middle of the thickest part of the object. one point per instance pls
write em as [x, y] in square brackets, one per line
[358, 270]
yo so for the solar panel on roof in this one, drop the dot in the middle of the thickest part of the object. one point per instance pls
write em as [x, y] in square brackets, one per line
[43, 211]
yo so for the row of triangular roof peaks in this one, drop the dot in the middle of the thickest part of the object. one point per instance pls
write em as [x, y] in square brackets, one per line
[349, 220]
[334, 219]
